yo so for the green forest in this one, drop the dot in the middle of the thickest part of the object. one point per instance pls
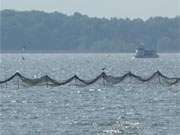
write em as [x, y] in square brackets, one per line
[38, 30]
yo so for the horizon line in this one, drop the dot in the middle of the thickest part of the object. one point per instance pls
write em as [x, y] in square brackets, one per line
[108, 18]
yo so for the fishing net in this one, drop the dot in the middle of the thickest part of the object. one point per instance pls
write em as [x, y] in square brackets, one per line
[102, 79]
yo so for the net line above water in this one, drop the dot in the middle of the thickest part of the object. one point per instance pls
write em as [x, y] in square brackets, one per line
[129, 77]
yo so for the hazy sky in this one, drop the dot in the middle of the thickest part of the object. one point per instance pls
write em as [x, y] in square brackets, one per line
[100, 8]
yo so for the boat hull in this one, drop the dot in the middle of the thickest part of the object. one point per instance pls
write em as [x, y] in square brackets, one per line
[144, 53]
[154, 56]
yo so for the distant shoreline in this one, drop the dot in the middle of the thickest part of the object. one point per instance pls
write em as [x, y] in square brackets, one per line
[72, 51]
[40, 32]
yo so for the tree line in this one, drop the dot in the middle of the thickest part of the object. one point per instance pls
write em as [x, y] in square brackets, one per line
[38, 30]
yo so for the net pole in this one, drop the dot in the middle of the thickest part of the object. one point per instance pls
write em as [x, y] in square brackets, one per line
[18, 83]
[75, 80]
[46, 81]
[103, 82]
[103, 77]
[159, 79]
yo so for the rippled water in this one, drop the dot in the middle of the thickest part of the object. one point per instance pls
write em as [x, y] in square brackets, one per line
[128, 109]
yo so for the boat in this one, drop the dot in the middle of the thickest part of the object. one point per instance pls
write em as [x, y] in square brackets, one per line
[145, 53]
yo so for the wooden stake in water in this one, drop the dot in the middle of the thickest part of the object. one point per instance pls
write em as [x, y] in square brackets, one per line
[103, 77]
[159, 79]
[46, 81]
[75, 80]
[18, 82]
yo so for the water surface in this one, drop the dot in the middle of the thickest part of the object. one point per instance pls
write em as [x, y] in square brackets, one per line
[127, 109]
